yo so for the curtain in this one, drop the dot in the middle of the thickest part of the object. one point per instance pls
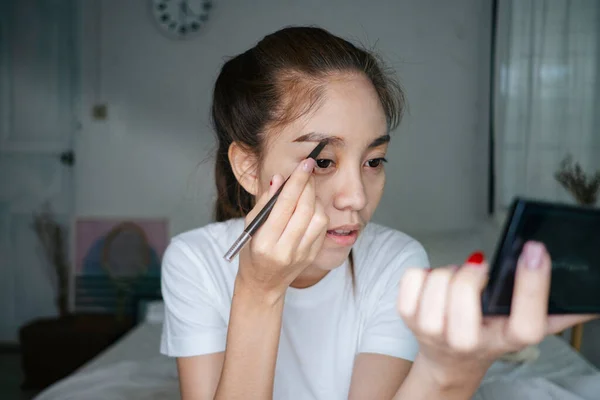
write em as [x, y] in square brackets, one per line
[39, 87]
[546, 95]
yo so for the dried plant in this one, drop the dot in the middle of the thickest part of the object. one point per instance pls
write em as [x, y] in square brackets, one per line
[53, 238]
[584, 188]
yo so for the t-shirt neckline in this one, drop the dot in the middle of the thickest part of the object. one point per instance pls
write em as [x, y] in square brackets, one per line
[318, 292]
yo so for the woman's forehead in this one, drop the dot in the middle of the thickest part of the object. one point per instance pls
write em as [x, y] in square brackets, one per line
[349, 111]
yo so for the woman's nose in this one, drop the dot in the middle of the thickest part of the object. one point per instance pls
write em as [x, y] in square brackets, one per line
[350, 193]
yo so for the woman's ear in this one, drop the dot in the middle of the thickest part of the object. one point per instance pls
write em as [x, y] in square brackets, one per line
[244, 165]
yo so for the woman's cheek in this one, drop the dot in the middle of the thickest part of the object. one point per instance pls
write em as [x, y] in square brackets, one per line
[374, 188]
[375, 179]
[323, 191]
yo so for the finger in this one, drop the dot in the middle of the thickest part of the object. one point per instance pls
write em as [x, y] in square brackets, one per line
[558, 323]
[463, 325]
[432, 308]
[410, 288]
[300, 219]
[529, 307]
[315, 234]
[276, 182]
[289, 196]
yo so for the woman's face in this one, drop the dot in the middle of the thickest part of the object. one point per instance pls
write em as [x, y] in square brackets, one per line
[349, 176]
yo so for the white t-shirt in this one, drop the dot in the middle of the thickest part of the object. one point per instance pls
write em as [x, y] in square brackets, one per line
[324, 326]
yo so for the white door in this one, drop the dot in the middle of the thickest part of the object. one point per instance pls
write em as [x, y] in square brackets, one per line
[38, 86]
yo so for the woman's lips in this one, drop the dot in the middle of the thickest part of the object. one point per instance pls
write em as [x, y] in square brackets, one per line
[343, 236]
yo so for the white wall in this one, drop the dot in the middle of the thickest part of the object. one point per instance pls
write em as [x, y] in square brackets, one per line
[144, 160]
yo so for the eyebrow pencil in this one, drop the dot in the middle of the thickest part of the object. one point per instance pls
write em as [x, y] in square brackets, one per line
[262, 216]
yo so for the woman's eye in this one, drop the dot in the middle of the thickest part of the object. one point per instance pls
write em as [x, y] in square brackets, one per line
[376, 162]
[324, 163]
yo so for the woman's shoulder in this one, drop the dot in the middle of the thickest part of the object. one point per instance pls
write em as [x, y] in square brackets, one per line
[383, 251]
[377, 239]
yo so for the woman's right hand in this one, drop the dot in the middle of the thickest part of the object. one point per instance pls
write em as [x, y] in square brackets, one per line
[290, 238]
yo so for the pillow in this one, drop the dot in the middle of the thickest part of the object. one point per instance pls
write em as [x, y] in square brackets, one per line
[528, 354]
[453, 247]
[155, 312]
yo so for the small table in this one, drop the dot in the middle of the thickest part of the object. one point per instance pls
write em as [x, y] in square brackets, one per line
[52, 348]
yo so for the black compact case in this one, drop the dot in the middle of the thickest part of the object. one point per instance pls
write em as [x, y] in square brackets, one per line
[571, 235]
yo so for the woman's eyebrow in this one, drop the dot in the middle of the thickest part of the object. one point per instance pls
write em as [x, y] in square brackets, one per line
[319, 137]
[338, 141]
[379, 141]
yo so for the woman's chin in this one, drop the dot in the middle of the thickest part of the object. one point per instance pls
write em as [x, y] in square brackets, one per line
[329, 259]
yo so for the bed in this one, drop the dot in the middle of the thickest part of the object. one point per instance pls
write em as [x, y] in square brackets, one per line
[133, 369]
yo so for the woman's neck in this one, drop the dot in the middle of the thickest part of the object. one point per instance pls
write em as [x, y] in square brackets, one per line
[309, 277]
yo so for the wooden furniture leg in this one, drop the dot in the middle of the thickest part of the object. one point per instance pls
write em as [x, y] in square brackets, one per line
[577, 336]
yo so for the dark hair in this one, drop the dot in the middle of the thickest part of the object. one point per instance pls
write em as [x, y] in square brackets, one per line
[278, 80]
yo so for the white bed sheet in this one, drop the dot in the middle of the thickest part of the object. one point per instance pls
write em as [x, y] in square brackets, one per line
[141, 344]
[131, 369]
[134, 369]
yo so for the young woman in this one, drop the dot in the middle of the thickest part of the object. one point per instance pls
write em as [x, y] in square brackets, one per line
[322, 304]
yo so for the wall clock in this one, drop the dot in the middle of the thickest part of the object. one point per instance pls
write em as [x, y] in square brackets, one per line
[180, 19]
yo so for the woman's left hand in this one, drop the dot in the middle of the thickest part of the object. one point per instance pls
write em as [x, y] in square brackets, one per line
[443, 309]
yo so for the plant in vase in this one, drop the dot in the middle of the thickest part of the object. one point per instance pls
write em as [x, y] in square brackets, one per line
[583, 187]
[53, 238]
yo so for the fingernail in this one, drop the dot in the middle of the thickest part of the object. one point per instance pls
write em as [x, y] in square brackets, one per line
[532, 253]
[476, 258]
[271, 182]
[308, 165]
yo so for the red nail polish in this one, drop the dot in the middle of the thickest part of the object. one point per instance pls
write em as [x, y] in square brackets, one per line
[271, 183]
[476, 258]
